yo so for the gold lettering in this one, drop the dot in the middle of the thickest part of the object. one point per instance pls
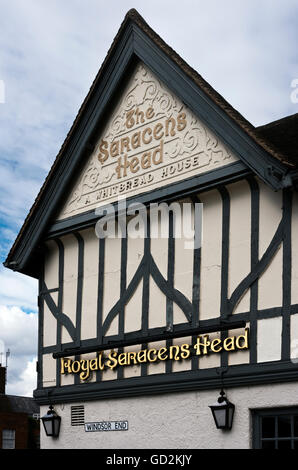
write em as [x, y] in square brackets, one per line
[148, 131]
[134, 165]
[171, 121]
[243, 338]
[114, 150]
[101, 365]
[75, 367]
[85, 367]
[94, 364]
[136, 140]
[161, 352]
[142, 356]
[112, 363]
[181, 121]
[132, 356]
[214, 344]
[157, 131]
[205, 344]
[123, 166]
[176, 356]
[125, 144]
[157, 151]
[129, 119]
[141, 115]
[65, 364]
[146, 160]
[150, 113]
[185, 352]
[174, 352]
[149, 352]
[122, 359]
[229, 343]
[104, 155]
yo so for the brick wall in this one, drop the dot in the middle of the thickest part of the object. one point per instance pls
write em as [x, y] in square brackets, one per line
[17, 422]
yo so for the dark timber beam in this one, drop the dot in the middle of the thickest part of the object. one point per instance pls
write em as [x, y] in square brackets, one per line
[222, 326]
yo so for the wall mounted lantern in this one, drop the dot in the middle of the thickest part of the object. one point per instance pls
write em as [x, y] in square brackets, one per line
[223, 412]
[51, 422]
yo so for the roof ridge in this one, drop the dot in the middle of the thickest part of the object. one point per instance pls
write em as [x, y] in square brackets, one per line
[277, 121]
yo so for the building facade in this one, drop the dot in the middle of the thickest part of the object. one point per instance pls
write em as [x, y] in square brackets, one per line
[19, 419]
[138, 333]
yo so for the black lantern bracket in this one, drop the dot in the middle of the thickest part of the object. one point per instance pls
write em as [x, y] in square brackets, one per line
[223, 410]
[51, 422]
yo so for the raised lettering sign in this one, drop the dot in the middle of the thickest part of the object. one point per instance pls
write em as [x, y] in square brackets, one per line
[152, 139]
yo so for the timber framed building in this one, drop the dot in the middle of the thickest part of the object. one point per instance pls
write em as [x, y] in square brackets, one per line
[152, 130]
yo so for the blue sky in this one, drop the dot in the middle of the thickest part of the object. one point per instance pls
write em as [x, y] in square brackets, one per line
[50, 53]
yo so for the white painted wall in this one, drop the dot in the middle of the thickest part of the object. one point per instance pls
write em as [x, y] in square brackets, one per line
[170, 421]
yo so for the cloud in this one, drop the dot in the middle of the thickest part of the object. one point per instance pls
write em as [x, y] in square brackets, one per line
[18, 290]
[26, 382]
[18, 333]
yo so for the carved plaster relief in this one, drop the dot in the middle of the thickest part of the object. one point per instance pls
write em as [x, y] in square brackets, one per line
[152, 139]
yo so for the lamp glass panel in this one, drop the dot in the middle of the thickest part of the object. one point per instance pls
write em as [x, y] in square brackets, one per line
[220, 416]
[56, 426]
[48, 425]
[231, 414]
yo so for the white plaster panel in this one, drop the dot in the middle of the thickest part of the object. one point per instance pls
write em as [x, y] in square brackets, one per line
[67, 379]
[65, 336]
[159, 247]
[211, 255]
[49, 323]
[51, 267]
[113, 327]
[90, 284]
[294, 338]
[135, 252]
[270, 217]
[178, 315]
[239, 356]
[183, 364]
[158, 367]
[269, 339]
[270, 283]
[239, 249]
[48, 370]
[133, 311]
[70, 278]
[270, 214]
[157, 306]
[295, 249]
[112, 277]
[107, 373]
[209, 361]
[132, 370]
[183, 266]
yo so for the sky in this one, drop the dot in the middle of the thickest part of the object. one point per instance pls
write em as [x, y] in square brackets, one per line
[50, 52]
